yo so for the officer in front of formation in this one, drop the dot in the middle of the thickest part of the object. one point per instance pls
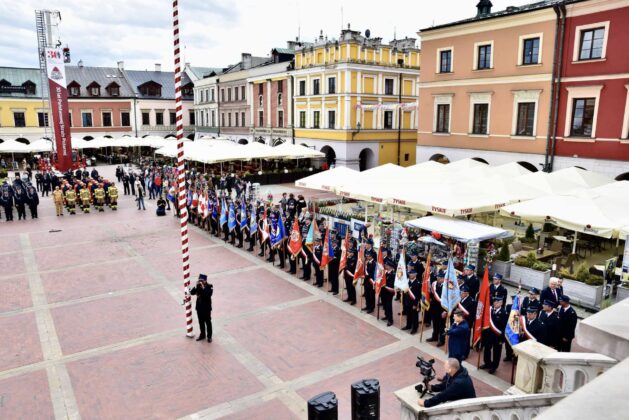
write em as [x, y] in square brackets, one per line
[388, 291]
[411, 301]
[203, 291]
[497, 290]
[567, 323]
[348, 275]
[493, 337]
[369, 282]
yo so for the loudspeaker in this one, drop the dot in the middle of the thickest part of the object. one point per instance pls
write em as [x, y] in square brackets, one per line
[366, 400]
[323, 407]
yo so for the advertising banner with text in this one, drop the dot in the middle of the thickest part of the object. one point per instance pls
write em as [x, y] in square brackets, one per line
[59, 107]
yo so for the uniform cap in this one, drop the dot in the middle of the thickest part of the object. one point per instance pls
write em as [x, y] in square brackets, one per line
[441, 273]
[471, 267]
[534, 291]
[203, 277]
[531, 309]
[549, 303]
[465, 288]
[564, 298]
[389, 262]
[498, 276]
[370, 241]
[411, 272]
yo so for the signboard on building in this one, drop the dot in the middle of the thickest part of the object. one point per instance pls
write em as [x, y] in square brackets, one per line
[59, 106]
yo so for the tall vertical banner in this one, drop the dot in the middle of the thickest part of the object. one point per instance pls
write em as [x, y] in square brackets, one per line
[59, 106]
[625, 261]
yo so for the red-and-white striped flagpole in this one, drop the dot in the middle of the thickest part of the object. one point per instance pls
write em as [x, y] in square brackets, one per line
[181, 180]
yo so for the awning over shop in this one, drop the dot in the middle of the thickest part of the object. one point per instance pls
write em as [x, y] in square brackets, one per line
[461, 230]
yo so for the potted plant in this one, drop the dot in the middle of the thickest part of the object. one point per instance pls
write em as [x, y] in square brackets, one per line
[502, 261]
[529, 272]
[584, 288]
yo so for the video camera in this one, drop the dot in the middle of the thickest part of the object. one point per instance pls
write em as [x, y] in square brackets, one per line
[427, 370]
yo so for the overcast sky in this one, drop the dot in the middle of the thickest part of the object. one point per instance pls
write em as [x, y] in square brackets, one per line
[213, 32]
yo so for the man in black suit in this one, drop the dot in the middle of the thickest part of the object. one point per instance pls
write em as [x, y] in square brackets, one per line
[532, 300]
[437, 314]
[348, 275]
[387, 292]
[333, 267]
[471, 280]
[532, 328]
[567, 323]
[369, 282]
[411, 302]
[552, 292]
[203, 306]
[550, 320]
[467, 305]
[497, 290]
[493, 337]
[317, 254]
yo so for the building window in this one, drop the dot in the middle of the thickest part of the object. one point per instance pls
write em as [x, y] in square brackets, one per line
[95, 91]
[243, 122]
[443, 118]
[212, 95]
[107, 119]
[235, 119]
[242, 93]
[280, 119]
[19, 119]
[86, 118]
[315, 87]
[316, 116]
[125, 119]
[114, 91]
[591, 44]
[302, 88]
[229, 94]
[280, 86]
[74, 91]
[530, 51]
[302, 119]
[388, 120]
[159, 118]
[235, 94]
[331, 85]
[388, 86]
[260, 101]
[481, 115]
[172, 117]
[29, 87]
[582, 117]
[445, 61]
[42, 119]
[526, 119]
[229, 119]
[331, 119]
[279, 99]
[223, 120]
[484, 57]
[70, 118]
[260, 88]
[222, 95]
[146, 118]
[260, 118]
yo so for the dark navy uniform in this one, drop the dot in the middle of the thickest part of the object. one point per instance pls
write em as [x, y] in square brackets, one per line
[550, 320]
[348, 276]
[203, 306]
[436, 311]
[318, 254]
[567, 324]
[333, 269]
[498, 292]
[494, 338]
[370, 272]
[387, 292]
[411, 303]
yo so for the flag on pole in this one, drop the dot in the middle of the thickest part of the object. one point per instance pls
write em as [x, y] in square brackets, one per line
[214, 211]
[312, 235]
[223, 219]
[359, 272]
[243, 217]
[294, 245]
[379, 277]
[253, 226]
[231, 221]
[512, 330]
[450, 293]
[401, 279]
[278, 231]
[426, 284]
[344, 248]
[483, 310]
[264, 228]
[328, 251]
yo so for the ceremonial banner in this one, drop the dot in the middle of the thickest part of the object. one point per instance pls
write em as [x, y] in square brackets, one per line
[450, 293]
[294, 245]
[264, 228]
[223, 219]
[328, 251]
[243, 217]
[231, 221]
[512, 330]
[401, 279]
[344, 247]
[380, 274]
[57, 88]
[312, 235]
[359, 273]
[253, 227]
[278, 231]
[483, 309]
[426, 284]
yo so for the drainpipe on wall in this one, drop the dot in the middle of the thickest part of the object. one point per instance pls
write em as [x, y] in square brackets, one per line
[562, 8]
[399, 119]
[292, 105]
[135, 115]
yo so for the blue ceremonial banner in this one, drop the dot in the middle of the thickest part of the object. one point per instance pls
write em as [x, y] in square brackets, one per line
[243, 217]
[512, 331]
[189, 201]
[223, 218]
[278, 231]
[231, 220]
[253, 227]
[214, 204]
[450, 293]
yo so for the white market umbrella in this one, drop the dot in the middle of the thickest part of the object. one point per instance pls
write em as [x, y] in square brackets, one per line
[12, 146]
[41, 145]
[581, 177]
[328, 180]
[510, 170]
[297, 151]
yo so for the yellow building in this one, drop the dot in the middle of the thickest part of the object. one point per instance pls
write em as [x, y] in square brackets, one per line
[355, 99]
[23, 114]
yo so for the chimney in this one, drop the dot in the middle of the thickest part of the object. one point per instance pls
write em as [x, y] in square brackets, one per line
[80, 63]
[120, 65]
[158, 67]
[483, 8]
[246, 61]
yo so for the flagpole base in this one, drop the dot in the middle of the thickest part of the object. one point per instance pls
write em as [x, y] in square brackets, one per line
[190, 335]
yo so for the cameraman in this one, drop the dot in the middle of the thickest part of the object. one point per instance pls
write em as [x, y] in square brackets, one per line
[204, 291]
[456, 385]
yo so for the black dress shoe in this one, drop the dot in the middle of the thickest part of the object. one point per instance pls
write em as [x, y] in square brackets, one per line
[389, 323]
[209, 340]
[492, 371]
[441, 343]
[413, 332]
[507, 359]
[364, 309]
[352, 303]
[406, 328]
[202, 337]
[430, 340]
[335, 293]
[345, 300]
[484, 366]
[370, 311]
[260, 254]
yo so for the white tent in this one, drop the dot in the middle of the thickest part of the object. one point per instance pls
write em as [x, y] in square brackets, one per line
[510, 170]
[461, 230]
[549, 184]
[618, 189]
[12, 146]
[298, 151]
[328, 180]
[41, 145]
[374, 184]
[464, 164]
[581, 177]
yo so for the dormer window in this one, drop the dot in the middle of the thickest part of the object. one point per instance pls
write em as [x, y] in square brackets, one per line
[74, 88]
[29, 87]
[113, 89]
[150, 88]
[93, 89]
[187, 90]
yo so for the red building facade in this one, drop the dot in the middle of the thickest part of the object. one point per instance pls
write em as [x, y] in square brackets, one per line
[592, 128]
[271, 108]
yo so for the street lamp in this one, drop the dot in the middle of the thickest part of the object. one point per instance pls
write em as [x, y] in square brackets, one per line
[357, 130]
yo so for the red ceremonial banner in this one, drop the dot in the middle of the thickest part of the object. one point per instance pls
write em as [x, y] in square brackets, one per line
[59, 106]
[294, 245]
[483, 309]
